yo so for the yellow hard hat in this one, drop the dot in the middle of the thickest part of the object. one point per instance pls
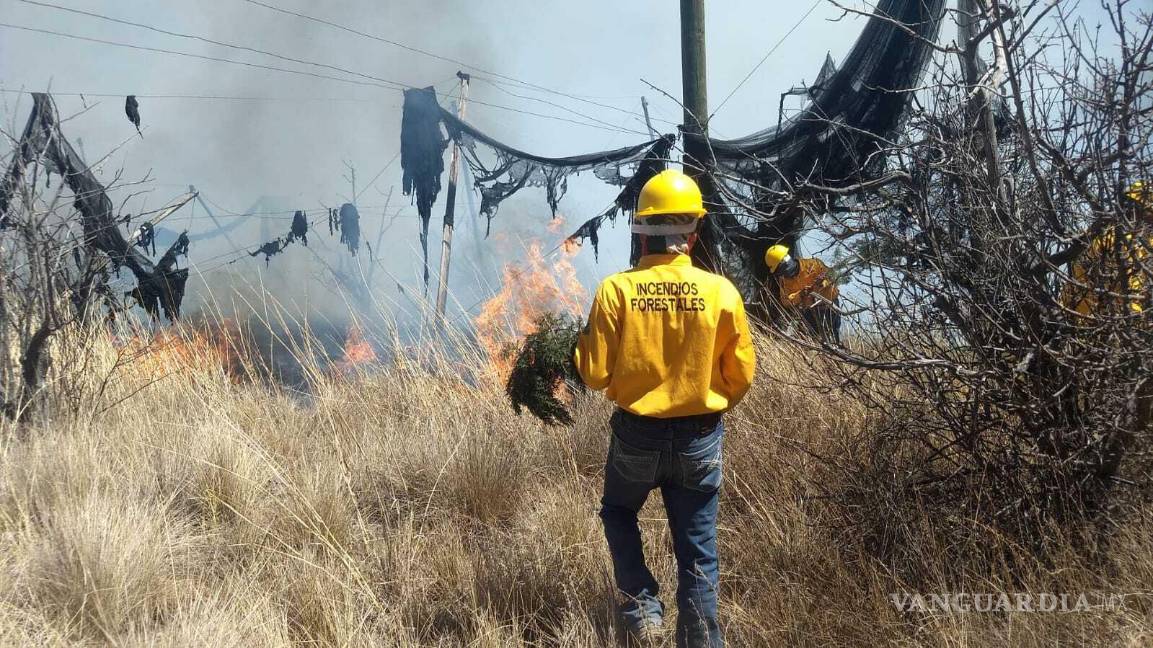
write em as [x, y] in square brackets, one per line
[774, 256]
[670, 192]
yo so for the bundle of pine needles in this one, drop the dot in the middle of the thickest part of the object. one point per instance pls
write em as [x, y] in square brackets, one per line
[543, 365]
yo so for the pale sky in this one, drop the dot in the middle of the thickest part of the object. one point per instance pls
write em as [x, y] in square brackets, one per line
[291, 142]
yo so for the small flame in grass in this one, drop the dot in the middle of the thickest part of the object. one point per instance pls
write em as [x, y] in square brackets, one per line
[357, 350]
[534, 286]
[172, 351]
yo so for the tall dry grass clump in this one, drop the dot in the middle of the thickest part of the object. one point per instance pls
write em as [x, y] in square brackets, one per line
[403, 504]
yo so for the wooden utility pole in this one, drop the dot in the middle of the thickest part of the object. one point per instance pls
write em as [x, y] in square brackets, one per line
[695, 130]
[693, 84]
[450, 210]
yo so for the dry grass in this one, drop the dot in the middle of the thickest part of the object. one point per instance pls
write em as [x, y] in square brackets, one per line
[407, 507]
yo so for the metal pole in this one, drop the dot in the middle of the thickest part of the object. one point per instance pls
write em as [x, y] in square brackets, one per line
[450, 210]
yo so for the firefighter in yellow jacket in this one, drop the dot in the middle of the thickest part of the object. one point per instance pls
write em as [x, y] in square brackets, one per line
[1112, 272]
[806, 287]
[669, 343]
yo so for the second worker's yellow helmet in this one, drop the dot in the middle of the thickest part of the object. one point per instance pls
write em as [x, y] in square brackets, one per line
[774, 255]
[670, 192]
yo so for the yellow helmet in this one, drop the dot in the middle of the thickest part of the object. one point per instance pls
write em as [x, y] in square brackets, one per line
[774, 256]
[670, 192]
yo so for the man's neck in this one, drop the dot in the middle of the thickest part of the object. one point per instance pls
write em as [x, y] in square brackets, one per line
[664, 258]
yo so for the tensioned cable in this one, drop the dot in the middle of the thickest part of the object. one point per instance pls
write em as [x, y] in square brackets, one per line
[765, 58]
[245, 48]
[376, 177]
[210, 41]
[393, 85]
[194, 97]
[434, 55]
[498, 86]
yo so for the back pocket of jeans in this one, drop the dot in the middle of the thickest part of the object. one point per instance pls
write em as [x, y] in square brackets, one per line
[633, 463]
[701, 467]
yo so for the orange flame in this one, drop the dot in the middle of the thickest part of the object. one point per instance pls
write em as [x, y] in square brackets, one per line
[529, 289]
[171, 351]
[357, 350]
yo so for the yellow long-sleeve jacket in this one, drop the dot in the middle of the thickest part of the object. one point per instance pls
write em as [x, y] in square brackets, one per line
[1097, 270]
[666, 339]
[812, 279]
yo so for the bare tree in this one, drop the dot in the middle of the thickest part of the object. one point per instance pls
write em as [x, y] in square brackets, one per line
[1002, 269]
[59, 246]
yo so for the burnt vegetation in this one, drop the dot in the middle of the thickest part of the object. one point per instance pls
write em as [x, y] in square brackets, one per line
[543, 370]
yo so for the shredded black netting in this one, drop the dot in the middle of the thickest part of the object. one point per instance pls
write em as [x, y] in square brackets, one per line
[854, 110]
[269, 250]
[350, 227]
[655, 160]
[755, 195]
[589, 231]
[836, 140]
[132, 111]
[299, 229]
[500, 170]
[422, 145]
[146, 239]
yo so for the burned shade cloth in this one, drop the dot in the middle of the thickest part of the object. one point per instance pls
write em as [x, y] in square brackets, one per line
[853, 110]
[422, 145]
[838, 139]
[299, 228]
[348, 222]
[132, 111]
[654, 161]
[500, 170]
[297, 231]
[146, 237]
[852, 114]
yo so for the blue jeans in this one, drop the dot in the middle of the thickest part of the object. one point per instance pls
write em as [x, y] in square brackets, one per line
[683, 458]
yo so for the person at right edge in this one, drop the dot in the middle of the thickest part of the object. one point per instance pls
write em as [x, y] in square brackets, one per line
[670, 344]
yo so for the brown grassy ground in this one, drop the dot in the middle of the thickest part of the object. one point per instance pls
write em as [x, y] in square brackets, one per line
[404, 507]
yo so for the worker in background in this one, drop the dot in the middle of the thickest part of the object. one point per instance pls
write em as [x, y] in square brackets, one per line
[669, 343]
[1107, 275]
[806, 287]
